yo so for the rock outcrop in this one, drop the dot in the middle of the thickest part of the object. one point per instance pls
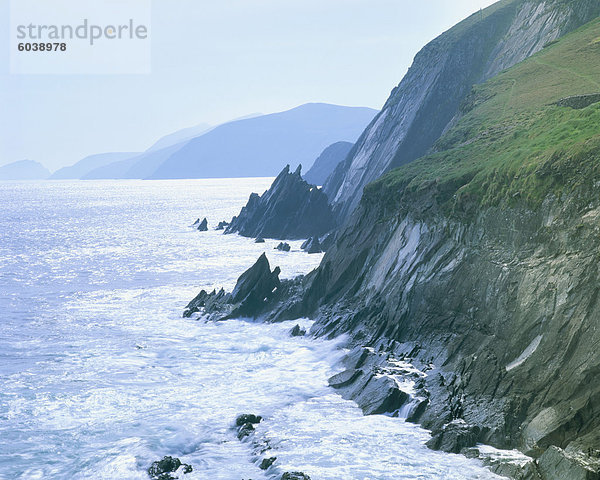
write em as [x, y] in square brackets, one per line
[327, 162]
[290, 209]
[166, 469]
[254, 292]
[201, 226]
[426, 102]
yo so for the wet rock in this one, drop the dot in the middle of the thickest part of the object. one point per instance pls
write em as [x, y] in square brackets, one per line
[295, 476]
[163, 469]
[284, 247]
[380, 395]
[222, 225]
[312, 245]
[197, 222]
[259, 240]
[203, 226]
[455, 436]
[256, 288]
[557, 464]
[245, 430]
[247, 418]
[267, 462]
[290, 209]
[327, 241]
[345, 378]
[297, 331]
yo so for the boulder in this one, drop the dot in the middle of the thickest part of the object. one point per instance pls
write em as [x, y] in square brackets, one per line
[297, 331]
[295, 476]
[259, 240]
[203, 226]
[283, 246]
[222, 225]
[247, 418]
[290, 209]
[162, 469]
[266, 463]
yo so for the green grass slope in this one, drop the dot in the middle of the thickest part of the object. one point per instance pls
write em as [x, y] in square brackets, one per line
[513, 143]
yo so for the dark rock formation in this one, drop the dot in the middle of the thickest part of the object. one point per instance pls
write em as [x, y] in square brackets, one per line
[290, 209]
[297, 331]
[197, 222]
[256, 288]
[248, 418]
[556, 464]
[267, 462]
[284, 247]
[295, 476]
[312, 245]
[203, 226]
[327, 162]
[222, 225]
[259, 240]
[162, 469]
[245, 425]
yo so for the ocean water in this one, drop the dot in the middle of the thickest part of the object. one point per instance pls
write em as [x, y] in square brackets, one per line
[100, 375]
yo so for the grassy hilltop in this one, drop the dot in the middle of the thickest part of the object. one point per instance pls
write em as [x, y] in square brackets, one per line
[513, 142]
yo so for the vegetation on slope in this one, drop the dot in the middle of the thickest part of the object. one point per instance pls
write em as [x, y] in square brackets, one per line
[513, 143]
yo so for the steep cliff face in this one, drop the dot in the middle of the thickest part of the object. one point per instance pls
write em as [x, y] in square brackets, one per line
[427, 101]
[479, 264]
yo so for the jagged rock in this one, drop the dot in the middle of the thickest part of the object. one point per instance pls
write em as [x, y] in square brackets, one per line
[284, 247]
[455, 436]
[247, 418]
[253, 291]
[267, 462]
[290, 209]
[295, 476]
[297, 331]
[345, 378]
[203, 226]
[557, 464]
[312, 245]
[162, 469]
[197, 222]
[259, 240]
[222, 225]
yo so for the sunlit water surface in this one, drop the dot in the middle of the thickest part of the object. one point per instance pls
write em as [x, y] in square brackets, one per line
[100, 375]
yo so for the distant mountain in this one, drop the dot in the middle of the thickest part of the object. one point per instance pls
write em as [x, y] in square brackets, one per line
[24, 170]
[180, 136]
[86, 165]
[262, 146]
[140, 166]
[327, 161]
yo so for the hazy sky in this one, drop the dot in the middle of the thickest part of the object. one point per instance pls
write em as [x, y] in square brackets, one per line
[216, 60]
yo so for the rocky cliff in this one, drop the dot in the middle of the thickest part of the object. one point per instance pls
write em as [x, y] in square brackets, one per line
[427, 101]
[290, 209]
[478, 265]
